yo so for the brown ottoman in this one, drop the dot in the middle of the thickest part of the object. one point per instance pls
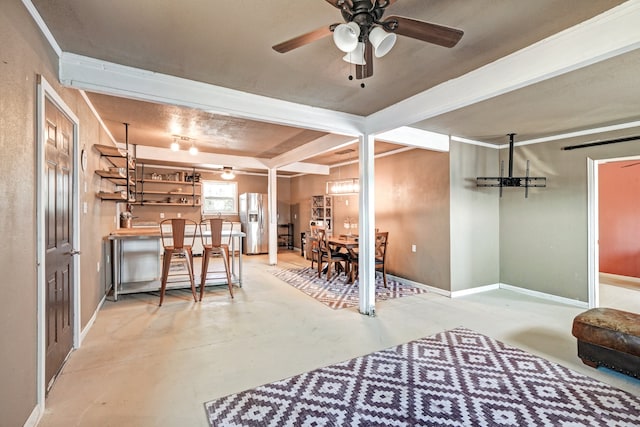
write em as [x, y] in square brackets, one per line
[610, 338]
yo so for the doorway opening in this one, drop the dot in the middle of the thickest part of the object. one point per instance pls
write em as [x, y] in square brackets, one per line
[614, 269]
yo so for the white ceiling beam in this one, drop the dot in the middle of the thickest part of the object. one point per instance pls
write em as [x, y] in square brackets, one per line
[609, 34]
[318, 146]
[418, 138]
[217, 161]
[82, 72]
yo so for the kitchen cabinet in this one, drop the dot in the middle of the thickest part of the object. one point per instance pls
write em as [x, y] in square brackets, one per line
[168, 187]
[120, 171]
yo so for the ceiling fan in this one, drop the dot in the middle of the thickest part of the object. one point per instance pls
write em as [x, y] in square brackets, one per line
[365, 34]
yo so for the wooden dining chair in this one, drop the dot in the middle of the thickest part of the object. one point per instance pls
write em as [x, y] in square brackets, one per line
[177, 246]
[331, 256]
[380, 257]
[214, 247]
[382, 240]
[313, 244]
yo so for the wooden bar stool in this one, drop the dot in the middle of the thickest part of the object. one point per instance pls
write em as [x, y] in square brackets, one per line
[173, 241]
[214, 247]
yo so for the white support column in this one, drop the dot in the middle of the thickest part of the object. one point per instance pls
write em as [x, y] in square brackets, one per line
[366, 227]
[273, 216]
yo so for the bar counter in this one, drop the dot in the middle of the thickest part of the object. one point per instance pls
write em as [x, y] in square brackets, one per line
[137, 260]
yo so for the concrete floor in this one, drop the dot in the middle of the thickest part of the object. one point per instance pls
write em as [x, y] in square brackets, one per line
[144, 365]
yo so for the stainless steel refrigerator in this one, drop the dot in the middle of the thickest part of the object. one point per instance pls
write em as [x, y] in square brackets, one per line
[255, 222]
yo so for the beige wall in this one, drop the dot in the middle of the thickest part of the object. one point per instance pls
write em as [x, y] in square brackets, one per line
[411, 202]
[23, 56]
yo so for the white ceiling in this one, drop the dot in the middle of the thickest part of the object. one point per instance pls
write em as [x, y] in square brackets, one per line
[227, 45]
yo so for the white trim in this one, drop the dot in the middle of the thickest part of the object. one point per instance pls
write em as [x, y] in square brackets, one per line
[272, 187]
[91, 321]
[97, 116]
[471, 291]
[473, 142]
[43, 27]
[45, 90]
[414, 137]
[431, 289]
[544, 295]
[82, 72]
[593, 252]
[34, 418]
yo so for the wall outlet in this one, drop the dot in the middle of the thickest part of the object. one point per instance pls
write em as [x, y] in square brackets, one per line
[98, 266]
[161, 215]
[84, 207]
[413, 248]
[179, 215]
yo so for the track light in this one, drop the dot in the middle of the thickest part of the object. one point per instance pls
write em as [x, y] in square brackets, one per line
[175, 146]
[193, 150]
[227, 173]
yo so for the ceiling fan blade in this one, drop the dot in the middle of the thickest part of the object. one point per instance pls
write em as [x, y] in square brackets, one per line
[334, 3]
[302, 40]
[426, 31]
[364, 71]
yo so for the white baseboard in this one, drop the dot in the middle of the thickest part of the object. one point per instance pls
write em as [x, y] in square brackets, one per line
[619, 277]
[493, 287]
[477, 290]
[91, 321]
[35, 416]
[551, 297]
[420, 285]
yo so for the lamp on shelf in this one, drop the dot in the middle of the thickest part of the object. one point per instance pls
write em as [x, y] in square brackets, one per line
[343, 186]
[227, 173]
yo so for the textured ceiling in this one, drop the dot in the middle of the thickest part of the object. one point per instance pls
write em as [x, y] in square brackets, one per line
[228, 44]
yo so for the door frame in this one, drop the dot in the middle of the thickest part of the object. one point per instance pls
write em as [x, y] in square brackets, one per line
[44, 91]
[593, 232]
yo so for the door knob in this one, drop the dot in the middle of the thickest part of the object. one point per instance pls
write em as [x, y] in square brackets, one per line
[72, 252]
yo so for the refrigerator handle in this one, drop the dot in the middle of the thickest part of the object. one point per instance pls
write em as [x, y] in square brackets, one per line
[260, 214]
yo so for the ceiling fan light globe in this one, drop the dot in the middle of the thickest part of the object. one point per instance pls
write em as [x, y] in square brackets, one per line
[345, 36]
[356, 56]
[382, 41]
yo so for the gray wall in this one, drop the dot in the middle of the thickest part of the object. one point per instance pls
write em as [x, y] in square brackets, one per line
[475, 217]
[543, 239]
[24, 54]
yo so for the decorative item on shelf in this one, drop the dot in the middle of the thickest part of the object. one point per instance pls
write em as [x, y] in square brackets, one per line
[512, 181]
[343, 186]
[227, 173]
[126, 219]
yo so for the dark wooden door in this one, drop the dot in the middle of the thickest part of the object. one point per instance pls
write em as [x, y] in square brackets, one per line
[58, 239]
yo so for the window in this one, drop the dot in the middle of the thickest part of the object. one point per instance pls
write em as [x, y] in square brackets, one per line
[219, 197]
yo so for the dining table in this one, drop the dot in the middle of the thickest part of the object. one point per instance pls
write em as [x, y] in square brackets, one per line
[350, 244]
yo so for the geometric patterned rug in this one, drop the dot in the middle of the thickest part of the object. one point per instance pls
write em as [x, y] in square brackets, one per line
[335, 292]
[453, 378]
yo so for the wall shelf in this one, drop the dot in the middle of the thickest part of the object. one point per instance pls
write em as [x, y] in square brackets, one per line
[117, 160]
[154, 189]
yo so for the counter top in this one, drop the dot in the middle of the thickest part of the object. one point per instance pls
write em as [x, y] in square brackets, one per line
[155, 232]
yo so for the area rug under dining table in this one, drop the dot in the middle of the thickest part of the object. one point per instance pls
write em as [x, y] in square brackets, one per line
[454, 378]
[336, 292]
